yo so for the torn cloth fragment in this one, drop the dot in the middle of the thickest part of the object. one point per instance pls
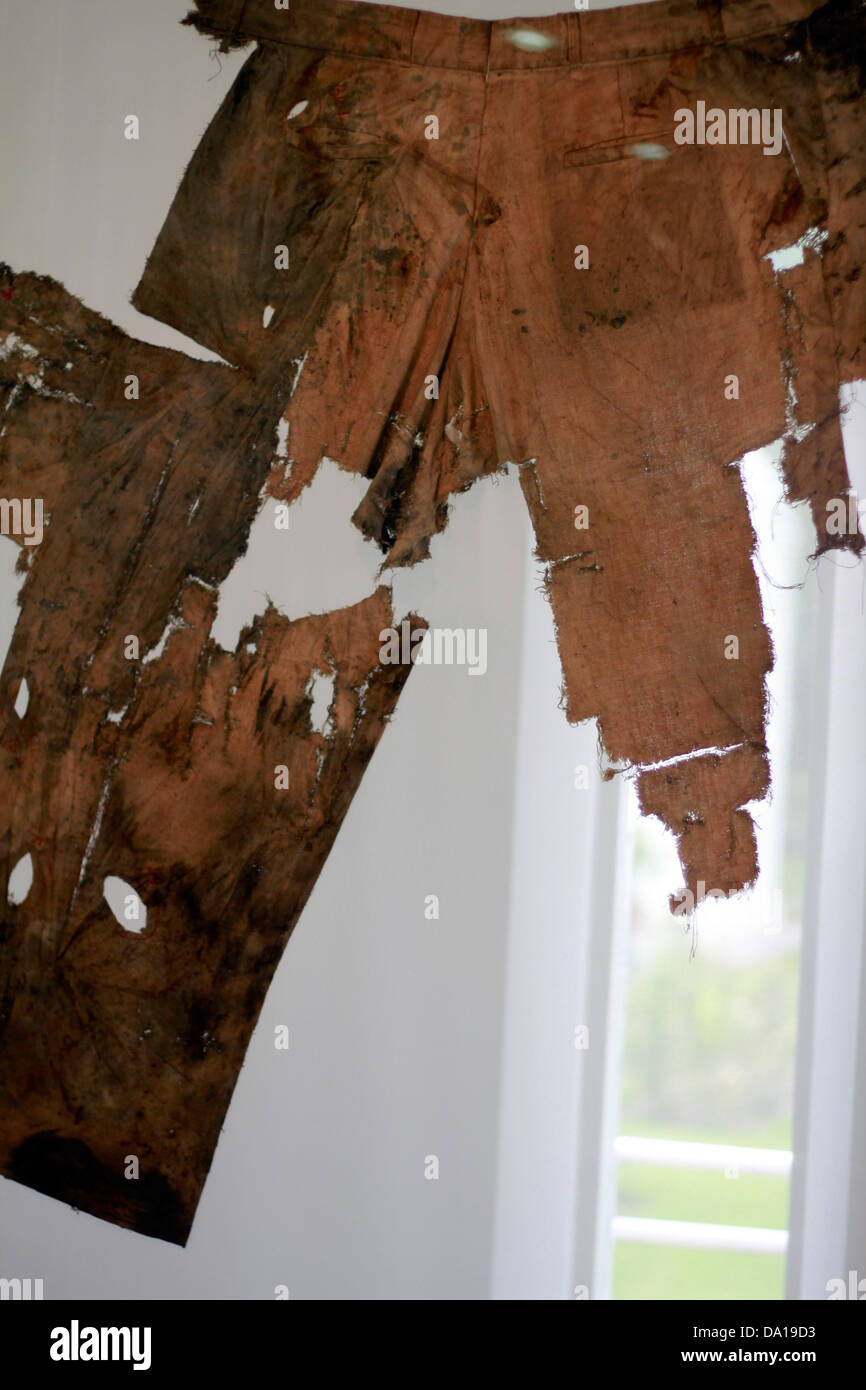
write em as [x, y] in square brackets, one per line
[486, 267]
[193, 774]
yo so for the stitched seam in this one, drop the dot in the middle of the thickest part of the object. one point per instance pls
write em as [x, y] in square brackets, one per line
[619, 94]
[236, 28]
[704, 43]
[474, 227]
[715, 20]
[737, 42]
[416, 22]
[573, 45]
[822, 107]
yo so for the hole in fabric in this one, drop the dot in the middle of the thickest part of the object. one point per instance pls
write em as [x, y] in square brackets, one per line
[321, 688]
[786, 258]
[530, 40]
[813, 239]
[20, 881]
[174, 624]
[22, 699]
[319, 564]
[648, 150]
[126, 906]
[11, 581]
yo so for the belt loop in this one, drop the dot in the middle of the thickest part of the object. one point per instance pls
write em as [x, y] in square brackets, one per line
[413, 18]
[713, 12]
[574, 51]
[241, 6]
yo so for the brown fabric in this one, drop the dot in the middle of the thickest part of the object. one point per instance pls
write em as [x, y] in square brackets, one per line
[158, 771]
[409, 259]
[455, 257]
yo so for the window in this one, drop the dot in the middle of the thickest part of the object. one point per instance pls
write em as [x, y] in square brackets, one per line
[709, 1080]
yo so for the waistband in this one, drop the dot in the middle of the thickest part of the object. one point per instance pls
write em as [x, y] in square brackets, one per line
[477, 45]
